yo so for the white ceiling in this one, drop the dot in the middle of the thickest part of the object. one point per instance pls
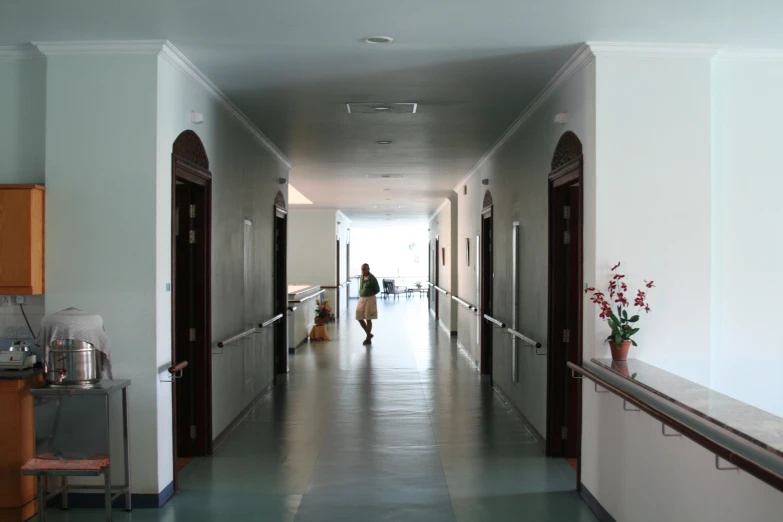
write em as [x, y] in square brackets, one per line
[472, 66]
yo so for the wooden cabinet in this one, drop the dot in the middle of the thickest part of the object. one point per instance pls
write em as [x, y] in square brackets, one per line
[21, 239]
[18, 493]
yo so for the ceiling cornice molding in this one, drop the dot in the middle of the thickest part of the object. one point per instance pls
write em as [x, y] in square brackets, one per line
[653, 50]
[20, 52]
[751, 55]
[101, 47]
[576, 63]
[340, 213]
[176, 59]
[437, 210]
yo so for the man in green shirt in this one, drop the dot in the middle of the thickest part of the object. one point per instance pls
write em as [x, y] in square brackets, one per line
[367, 309]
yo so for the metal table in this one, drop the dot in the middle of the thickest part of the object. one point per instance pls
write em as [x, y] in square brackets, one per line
[46, 431]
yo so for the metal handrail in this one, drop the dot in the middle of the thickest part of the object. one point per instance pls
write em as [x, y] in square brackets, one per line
[464, 303]
[494, 321]
[757, 470]
[236, 337]
[292, 308]
[308, 297]
[441, 290]
[527, 340]
[276, 318]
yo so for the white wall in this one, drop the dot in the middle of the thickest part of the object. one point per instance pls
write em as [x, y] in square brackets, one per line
[22, 120]
[441, 227]
[518, 182]
[100, 221]
[747, 252]
[655, 212]
[312, 243]
[244, 185]
[22, 157]
[653, 124]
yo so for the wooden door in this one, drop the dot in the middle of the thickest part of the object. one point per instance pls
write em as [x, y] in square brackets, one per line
[281, 290]
[191, 313]
[487, 277]
[565, 305]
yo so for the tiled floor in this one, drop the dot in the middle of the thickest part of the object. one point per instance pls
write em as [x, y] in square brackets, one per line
[403, 430]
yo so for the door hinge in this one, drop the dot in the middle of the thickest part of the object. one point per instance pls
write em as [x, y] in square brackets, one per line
[566, 336]
[567, 212]
[564, 433]
[192, 335]
[192, 236]
[566, 237]
[193, 431]
[192, 211]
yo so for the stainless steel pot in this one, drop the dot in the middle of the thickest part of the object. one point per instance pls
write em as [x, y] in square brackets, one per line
[80, 361]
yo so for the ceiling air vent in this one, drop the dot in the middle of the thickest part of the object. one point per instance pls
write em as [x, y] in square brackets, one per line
[385, 176]
[376, 108]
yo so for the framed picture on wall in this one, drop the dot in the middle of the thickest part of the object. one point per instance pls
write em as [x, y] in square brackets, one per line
[467, 251]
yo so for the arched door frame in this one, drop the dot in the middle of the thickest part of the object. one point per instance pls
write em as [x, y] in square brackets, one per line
[486, 278]
[189, 164]
[564, 409]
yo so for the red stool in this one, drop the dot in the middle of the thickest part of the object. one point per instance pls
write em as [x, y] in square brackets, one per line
[40, 468]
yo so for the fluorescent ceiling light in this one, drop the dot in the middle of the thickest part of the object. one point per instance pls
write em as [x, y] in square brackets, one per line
[296, 198]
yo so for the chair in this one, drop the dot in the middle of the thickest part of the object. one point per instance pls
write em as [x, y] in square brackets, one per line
[389, 288]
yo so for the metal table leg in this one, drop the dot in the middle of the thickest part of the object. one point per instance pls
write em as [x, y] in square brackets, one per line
[126, 447]
[41, 499]
[107, 491]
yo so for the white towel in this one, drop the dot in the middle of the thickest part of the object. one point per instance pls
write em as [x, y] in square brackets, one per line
[77, 325]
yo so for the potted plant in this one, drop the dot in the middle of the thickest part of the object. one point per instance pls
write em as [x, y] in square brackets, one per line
[418, 285]
[624, 325]
[323, 312]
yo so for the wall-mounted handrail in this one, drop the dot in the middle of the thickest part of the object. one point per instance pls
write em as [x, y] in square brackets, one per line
[464, 303]
[271, 321]
[292, 308]
[494, 321]
[754, 468]
[441, 290]
[299, 301]
[236, 337]
[524, 339]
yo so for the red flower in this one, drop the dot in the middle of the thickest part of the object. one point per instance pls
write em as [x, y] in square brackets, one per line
[647, 309]
[649, 284]
[615, 267]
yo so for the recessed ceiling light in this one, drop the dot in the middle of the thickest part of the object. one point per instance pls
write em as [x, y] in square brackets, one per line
[388, 199]
[381, 108]
[378, 40]
[384, 142]
[387, 190]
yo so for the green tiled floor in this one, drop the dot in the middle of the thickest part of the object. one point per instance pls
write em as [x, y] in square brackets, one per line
[404, 430]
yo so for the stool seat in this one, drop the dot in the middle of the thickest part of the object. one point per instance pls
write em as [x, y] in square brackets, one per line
[39, 466]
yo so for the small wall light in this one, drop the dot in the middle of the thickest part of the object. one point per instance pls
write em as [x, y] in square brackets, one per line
[561, 118]
[485, 181]
[282, 181]
[196, 117]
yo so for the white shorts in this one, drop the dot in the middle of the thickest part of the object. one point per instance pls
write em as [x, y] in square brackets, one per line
[367, 309]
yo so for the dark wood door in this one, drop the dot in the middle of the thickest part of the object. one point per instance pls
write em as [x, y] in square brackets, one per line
[190, 289]
[339, 288]
[487, 277]
[565, 344]
[281, 291]
[437, 277]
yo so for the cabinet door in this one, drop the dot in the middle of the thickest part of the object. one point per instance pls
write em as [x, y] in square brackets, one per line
[21, 239]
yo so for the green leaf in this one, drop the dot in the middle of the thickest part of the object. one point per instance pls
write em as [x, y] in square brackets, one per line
[618, 338]
[615, 319]
[634, 331]
[634, 343]
[625, 314]
[634, 319]
[619, 310]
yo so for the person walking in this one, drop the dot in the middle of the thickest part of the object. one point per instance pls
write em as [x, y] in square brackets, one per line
[367, 309]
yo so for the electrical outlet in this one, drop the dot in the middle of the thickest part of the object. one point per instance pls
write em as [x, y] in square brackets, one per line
[6, 300]
[19, 299]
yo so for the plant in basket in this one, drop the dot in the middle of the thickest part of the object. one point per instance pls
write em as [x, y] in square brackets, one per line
[323, 312]
[624, 325]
